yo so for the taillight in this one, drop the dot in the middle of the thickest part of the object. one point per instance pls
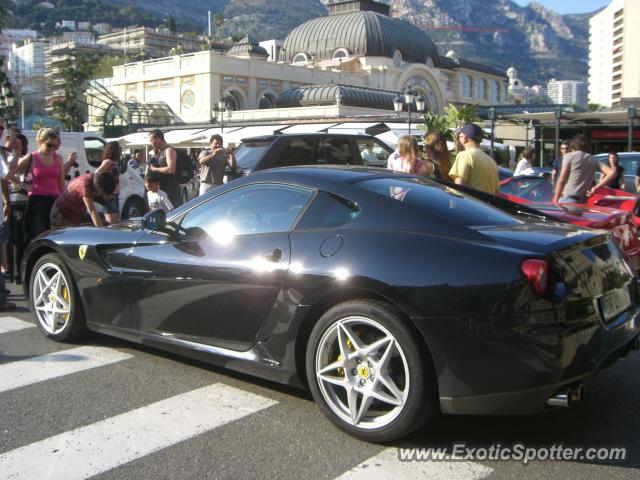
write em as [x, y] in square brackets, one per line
[537, 272]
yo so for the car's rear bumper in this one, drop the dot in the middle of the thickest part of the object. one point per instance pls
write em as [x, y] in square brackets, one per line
[507, 374]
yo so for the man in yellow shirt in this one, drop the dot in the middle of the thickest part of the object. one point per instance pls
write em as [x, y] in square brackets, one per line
[472, 166]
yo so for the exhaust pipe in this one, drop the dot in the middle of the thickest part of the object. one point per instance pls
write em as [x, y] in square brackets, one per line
[566, 398]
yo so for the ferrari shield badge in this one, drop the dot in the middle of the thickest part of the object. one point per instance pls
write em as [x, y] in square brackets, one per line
[82, 251]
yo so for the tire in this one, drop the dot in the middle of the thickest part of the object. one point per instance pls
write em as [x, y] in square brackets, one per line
[51, 287]
[378, 395]
[133, 207]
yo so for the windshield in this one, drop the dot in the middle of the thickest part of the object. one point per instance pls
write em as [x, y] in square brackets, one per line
[537, 189]
[249, 154]
[440, 201]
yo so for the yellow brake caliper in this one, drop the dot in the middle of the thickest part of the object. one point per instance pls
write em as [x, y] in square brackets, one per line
[65, 295]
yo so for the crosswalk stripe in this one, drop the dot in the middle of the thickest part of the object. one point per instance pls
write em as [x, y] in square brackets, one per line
[12, 324]
[53, 365]
[105, 445]
[386, 465]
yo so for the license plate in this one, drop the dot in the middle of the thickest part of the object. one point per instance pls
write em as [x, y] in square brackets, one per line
[615, 302]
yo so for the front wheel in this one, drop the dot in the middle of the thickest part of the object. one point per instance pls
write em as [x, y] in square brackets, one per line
[367, 372]
[133, 207]
[54, 299]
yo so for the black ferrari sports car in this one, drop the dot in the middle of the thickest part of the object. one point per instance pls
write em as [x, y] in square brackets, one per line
[391, 297]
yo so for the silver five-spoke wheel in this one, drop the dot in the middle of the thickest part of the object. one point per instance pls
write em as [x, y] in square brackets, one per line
[362, 372]
[370, 372]
[51, 299]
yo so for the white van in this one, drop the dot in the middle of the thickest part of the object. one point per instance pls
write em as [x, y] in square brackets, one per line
[89, 147]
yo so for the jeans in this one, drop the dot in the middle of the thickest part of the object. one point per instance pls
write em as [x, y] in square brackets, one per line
[4, 293]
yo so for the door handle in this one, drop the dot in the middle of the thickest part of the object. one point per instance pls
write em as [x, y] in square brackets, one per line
[273, 256]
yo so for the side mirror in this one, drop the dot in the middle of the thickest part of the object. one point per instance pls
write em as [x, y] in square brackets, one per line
[155, 220]
[124, 164]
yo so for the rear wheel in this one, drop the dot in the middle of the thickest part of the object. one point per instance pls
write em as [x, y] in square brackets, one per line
[368, 374]
[133, 207]
[54, 299]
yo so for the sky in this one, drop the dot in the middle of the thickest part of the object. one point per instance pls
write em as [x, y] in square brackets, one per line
[570, 6]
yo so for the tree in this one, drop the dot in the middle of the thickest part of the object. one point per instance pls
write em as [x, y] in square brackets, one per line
[219, 20]
[104, 67]
[171, 24]
[5, 8]
[453, 119]
[75, 74]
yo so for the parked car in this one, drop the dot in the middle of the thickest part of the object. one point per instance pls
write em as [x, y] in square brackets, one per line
[89, 147]
[260, 153]
[630, 161]
[391, 296]
[537, 193]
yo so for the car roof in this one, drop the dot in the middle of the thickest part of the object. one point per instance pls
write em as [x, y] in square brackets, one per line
[620, 154]
[315, 174]
[264, 138]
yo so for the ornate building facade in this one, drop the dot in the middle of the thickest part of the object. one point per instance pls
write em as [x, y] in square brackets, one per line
[358, 45]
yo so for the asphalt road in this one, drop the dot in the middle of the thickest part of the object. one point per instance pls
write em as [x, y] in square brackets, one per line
[108, 409]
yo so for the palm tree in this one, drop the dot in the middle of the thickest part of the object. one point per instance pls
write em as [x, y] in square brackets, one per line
[219, 20]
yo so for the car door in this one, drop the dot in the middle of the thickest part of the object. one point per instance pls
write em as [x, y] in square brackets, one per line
[216, 284]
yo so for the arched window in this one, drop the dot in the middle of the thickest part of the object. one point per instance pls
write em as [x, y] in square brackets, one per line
[482, 89]
[467, 90]
[494, 94]
[268, 100]
[299, 58]
[341, 53]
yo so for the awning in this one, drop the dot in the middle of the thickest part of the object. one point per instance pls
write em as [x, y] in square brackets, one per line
[355, 128]
[236, 136]
[186, 136]
[134, 139]
[308, 128]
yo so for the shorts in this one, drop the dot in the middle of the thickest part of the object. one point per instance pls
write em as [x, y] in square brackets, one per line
[111, 206]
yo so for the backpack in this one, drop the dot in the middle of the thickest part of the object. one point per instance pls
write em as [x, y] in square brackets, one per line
[184, 166]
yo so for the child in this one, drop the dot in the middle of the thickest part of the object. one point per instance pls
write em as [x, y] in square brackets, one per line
[156, 198]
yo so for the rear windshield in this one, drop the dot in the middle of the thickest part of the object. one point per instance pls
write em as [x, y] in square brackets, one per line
[249, 153]
[440, 201]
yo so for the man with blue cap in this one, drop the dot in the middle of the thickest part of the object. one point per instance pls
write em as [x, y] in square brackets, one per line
[472, 166]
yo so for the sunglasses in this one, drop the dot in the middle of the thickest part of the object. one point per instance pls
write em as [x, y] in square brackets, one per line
[52, 145]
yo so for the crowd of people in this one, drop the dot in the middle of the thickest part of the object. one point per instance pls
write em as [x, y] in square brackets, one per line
[471, 167]
[35, 197]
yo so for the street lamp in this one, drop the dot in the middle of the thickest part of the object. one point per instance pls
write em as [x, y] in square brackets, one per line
[492, 118]
[631, 111]
[409, 98]
[558, 116]
[220, 108]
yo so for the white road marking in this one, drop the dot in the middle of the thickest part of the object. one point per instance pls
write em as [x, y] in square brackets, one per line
[386, 465]
[105, 445]
[45, 367]
[12, 324]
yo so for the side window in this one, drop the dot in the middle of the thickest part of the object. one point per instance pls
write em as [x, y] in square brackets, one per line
[262, 208]
[335, 151]
[328, 210]
[298, 151]
[373, 154]
[93, 148]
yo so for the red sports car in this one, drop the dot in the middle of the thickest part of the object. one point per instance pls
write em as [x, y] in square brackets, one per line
[537, 193]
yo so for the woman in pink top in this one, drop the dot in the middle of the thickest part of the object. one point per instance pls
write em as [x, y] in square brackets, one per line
[407, 159]
[47, 170]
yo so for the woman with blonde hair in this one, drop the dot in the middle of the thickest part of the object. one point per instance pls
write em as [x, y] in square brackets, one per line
[47, 170]
[408, 158]
[436, 150]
